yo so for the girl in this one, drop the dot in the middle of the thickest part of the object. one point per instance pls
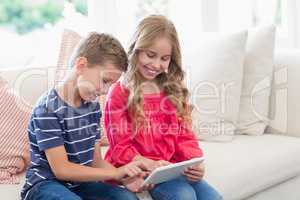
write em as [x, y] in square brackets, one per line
[147, 115]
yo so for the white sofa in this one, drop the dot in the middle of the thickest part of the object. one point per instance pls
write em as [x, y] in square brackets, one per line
[263, 167]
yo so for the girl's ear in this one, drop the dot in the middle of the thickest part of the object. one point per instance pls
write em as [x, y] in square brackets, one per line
[80, 65]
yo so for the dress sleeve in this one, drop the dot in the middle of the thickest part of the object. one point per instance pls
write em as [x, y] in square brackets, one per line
[119, 128]
[187, 146]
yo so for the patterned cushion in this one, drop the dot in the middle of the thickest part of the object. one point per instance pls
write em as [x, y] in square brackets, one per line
[14, 148]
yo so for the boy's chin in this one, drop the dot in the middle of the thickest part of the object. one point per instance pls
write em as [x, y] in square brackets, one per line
[90, 99]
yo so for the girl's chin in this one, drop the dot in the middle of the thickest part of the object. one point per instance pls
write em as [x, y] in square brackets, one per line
[149, 76]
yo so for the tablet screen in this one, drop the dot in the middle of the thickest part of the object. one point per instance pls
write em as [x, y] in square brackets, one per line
[172, 171]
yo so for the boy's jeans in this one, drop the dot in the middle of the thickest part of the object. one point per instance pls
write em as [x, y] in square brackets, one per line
[53, 190]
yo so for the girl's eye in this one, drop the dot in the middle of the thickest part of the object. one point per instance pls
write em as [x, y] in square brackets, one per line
[150, 54]
[166, 58]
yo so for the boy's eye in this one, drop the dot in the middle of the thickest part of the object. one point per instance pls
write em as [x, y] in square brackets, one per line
[105, 81]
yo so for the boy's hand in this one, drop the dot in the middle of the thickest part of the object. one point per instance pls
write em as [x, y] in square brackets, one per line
[195, 173]
[134, 184]
[132, 169]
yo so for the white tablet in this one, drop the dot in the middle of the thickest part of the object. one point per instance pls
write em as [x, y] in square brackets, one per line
[166, 173]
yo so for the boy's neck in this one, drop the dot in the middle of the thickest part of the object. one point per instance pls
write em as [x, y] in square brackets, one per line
[68, 91]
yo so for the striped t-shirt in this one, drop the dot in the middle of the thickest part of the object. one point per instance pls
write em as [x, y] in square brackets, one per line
[53, 123]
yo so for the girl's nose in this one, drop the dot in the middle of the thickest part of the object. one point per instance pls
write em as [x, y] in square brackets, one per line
[156, 64]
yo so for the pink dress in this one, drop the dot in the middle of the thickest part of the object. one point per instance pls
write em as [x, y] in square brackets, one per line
[163, 138]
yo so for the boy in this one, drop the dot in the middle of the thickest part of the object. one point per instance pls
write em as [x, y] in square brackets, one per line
[64, 128]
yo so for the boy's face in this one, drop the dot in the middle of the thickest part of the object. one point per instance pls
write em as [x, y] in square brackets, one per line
[95, 80]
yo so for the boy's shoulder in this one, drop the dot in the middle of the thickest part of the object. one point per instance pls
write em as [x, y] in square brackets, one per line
[50, 104]
[46, 103]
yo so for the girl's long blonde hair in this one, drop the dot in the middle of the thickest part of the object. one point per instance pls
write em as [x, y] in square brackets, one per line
[172, 83]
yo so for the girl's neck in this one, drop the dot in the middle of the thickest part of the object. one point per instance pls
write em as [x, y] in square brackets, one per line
[68, 91]
[150, 87]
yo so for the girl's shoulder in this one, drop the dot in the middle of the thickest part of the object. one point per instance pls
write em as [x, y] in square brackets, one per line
[117, 91]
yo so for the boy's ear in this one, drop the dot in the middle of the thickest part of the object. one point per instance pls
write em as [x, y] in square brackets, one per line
[80, 64]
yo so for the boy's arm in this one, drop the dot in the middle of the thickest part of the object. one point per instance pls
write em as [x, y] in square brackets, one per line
[48, 133]
[68, 171]
[98, 161]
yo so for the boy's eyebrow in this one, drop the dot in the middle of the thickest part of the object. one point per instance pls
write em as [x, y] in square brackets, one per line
[108, 79]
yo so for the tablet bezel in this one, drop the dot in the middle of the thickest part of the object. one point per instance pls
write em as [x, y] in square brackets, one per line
[158, 172]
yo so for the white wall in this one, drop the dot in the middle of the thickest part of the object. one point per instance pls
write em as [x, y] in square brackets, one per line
[194, 17]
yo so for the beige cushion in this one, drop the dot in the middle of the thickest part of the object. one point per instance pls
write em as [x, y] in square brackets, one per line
[285, 98]
[29, 83]
[258, 68]
[214, 75]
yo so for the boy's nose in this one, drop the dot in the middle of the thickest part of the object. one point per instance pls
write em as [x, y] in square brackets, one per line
[98, 91]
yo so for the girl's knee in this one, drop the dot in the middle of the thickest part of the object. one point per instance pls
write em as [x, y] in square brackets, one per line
[185, 193]
[177, 193]
[205, 191]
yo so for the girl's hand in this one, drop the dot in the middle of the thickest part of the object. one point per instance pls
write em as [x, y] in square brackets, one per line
[132, 169]
[161, 163]
[195, 173]
[149, 164]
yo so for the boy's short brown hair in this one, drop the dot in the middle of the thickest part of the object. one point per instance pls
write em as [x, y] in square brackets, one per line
[99, 48]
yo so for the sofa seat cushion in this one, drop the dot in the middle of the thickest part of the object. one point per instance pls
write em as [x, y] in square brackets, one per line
[12, 191]
[286, 190]
[250, 164]
[238, 169]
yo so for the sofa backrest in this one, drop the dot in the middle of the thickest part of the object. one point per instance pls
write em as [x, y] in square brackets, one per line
[29, 83]
[284, 116]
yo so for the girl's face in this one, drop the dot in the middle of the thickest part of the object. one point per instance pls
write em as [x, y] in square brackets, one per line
[156, 59]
